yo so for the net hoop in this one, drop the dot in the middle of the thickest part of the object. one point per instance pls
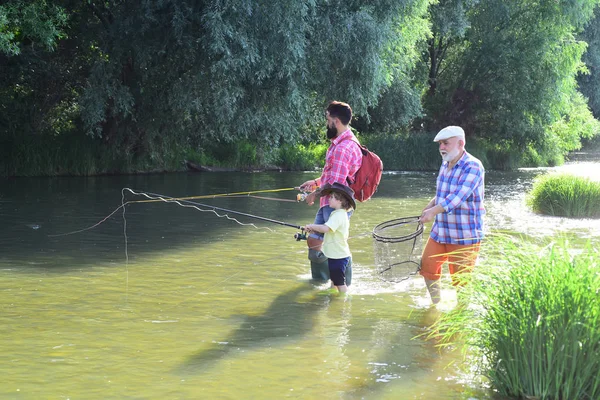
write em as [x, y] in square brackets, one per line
[379, 230]
[403, 263]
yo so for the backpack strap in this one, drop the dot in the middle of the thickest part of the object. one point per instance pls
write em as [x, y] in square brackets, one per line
[363, 151]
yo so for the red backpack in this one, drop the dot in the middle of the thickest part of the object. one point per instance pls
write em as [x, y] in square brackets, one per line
[368, 176]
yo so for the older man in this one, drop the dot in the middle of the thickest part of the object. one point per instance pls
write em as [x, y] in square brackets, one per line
[457, 211]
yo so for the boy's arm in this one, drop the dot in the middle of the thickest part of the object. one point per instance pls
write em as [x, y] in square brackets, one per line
[317, 228]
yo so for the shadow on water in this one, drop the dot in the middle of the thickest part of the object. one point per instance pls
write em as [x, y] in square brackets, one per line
[290, 316]
[41, 216]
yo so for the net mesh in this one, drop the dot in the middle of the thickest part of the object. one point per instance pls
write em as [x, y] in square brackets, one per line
[397, 247]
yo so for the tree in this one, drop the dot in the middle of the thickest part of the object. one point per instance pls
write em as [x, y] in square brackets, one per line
[30, 22]
[589, 82]
[514, 78]
[449, 23]
[205, 71]
[33, 80]
[399, 102]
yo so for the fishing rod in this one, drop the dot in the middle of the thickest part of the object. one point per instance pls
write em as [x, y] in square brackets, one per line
[236, 194]
[298, 236]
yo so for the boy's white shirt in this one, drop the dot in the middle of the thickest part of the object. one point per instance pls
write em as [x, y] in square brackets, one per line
[335, 242]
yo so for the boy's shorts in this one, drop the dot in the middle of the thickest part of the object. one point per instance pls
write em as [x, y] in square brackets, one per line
[460, 258]
[337, 270]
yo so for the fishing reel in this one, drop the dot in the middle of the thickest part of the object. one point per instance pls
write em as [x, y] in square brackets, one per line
[301, 197]
[303, 193]
[300, 236]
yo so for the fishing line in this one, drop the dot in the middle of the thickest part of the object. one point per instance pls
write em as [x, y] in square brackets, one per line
[195, 205]
[126, 253]
[236, 194]
[185, 199]
[186, 202]
[214, 209]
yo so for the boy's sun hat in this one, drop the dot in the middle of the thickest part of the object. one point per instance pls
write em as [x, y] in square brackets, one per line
[346, 191]
[448, 132]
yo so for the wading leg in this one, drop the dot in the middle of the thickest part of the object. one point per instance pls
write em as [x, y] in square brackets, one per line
[349, 272]
[319, 269]
[434, 290]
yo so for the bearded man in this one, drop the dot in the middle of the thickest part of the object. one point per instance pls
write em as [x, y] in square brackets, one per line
[457, 211]
[343, 159]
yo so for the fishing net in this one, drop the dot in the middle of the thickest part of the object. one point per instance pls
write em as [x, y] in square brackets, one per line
[398, 246]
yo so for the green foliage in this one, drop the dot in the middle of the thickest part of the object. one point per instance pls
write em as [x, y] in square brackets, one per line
[206, 71]
[155, 80]
[301, 157]
[589, 82]
[513, 77]
[399, 102]
[405, 152]
[532, 320]
[449, 22]
[30, 22]
[565, 195]
[565, 133]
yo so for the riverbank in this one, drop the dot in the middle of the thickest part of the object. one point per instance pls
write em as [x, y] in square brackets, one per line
[85, 156]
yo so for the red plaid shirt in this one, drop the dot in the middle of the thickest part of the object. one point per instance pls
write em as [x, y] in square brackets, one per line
[342, 161]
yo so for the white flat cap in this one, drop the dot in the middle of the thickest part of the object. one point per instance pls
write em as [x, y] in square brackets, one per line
[448, 132]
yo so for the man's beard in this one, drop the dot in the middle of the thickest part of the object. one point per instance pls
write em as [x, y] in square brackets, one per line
[451, 155]
[331, 132]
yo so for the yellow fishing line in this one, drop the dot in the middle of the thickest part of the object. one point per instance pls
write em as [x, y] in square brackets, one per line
[212, 196]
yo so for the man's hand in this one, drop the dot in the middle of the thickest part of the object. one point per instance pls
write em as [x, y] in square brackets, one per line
[310, 199]
[429, 214]
[309, 186]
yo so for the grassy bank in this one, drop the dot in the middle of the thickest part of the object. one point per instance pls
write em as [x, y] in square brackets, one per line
[531, 318]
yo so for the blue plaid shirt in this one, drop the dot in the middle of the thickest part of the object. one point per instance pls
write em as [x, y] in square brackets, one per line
[460, 193]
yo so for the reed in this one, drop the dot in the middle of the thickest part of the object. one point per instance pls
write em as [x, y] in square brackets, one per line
[565, 195]
[531, 316]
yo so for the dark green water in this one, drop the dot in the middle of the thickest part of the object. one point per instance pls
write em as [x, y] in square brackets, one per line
[184, 304]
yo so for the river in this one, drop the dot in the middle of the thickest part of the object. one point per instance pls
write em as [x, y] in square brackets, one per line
[164, 301]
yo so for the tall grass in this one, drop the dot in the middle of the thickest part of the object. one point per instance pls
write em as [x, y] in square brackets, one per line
[532, 318]
[566, 196]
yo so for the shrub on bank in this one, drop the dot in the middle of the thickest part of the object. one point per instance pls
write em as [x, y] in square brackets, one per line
[532, 318]
[301, 157]
[565, 195]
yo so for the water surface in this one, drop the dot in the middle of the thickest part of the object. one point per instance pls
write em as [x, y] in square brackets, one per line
[172, 302]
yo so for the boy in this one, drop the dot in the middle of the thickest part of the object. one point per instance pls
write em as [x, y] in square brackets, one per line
[336, 230]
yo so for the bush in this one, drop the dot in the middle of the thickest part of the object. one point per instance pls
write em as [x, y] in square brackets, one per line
[300, 157]
[566, 196]
[405, 152]
[533, 321]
